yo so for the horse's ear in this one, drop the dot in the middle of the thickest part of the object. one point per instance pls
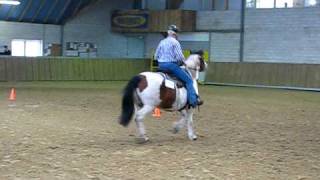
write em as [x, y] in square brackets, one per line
[200, 52]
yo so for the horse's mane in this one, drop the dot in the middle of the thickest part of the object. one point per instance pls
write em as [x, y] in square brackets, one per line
[199, 52]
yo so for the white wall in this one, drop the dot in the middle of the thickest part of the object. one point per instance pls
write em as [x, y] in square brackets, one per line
[189, 41]
[13, 30]
[271, 35]
[93, 25]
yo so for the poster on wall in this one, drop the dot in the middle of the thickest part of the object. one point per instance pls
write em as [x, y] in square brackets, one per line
[129, 21]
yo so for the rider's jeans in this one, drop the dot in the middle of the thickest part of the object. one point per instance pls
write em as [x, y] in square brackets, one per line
[183, 76]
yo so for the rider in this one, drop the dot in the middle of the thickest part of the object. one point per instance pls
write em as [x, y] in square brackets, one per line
[169, 56]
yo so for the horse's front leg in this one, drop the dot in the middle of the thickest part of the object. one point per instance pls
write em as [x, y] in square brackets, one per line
[140, 125]
[180, 124]
[191, 133]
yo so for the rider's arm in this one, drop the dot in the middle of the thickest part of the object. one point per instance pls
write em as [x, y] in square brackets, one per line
[178, 52]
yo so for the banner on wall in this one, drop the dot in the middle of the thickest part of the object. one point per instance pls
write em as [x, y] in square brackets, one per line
[130, 21]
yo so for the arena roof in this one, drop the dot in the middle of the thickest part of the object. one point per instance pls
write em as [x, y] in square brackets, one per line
[42, 11]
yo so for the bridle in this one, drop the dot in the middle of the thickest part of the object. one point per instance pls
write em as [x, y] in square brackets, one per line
[202, 64]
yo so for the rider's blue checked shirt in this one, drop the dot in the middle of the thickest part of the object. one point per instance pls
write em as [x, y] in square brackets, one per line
[169, 50]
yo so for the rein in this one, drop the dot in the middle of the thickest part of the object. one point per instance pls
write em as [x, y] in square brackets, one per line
[194, 69]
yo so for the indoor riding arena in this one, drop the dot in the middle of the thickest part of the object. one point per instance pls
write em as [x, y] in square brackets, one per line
[64, 66]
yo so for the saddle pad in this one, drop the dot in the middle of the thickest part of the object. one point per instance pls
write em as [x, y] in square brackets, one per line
[169, 84]
[171, 80]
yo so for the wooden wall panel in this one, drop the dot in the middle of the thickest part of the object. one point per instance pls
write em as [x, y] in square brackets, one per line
[160, 20]
[64, 69]
[3, 70]
[57, 69]
[267, 74]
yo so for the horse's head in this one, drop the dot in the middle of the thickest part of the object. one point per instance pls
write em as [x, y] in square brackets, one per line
[195, 62]
[202, 64]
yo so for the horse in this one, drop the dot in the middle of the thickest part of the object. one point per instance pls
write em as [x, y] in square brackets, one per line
[149, 90]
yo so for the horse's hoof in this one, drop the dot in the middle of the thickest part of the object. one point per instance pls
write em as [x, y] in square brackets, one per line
[142, 140]
[175, 130]
[193, 138]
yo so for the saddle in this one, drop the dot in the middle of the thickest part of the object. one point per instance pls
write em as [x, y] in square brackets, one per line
[179, 84]
[169, 76]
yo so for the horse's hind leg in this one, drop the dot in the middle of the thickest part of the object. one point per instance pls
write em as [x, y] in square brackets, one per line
[141, 113]
[180, 124]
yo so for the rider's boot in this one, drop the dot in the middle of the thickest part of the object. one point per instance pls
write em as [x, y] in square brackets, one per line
[199, 101]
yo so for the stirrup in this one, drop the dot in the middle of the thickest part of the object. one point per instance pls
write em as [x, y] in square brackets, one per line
[199, 102]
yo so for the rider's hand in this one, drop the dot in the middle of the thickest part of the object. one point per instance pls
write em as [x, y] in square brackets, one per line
[181, 63]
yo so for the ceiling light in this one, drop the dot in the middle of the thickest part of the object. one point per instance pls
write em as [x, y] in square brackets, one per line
[9, 2]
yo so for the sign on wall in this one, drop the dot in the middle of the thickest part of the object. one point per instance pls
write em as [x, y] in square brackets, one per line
[152, 21]
[130, 21]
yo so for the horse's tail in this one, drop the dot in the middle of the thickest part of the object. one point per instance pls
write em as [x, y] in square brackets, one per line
[128, 101]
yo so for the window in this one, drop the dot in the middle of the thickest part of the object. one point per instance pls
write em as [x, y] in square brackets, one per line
[281, 3]
[29, 48]
[309, 3]
[17, 48]
[251, 3]
[264, 4]
[284, 3]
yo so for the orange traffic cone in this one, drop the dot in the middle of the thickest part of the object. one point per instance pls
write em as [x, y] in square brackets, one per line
[13, 95]
[156, 113]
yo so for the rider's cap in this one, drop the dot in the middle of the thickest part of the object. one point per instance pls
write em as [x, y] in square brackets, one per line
[173, 28]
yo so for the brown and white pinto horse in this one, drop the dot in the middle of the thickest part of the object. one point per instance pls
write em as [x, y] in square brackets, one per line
[148, 90]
